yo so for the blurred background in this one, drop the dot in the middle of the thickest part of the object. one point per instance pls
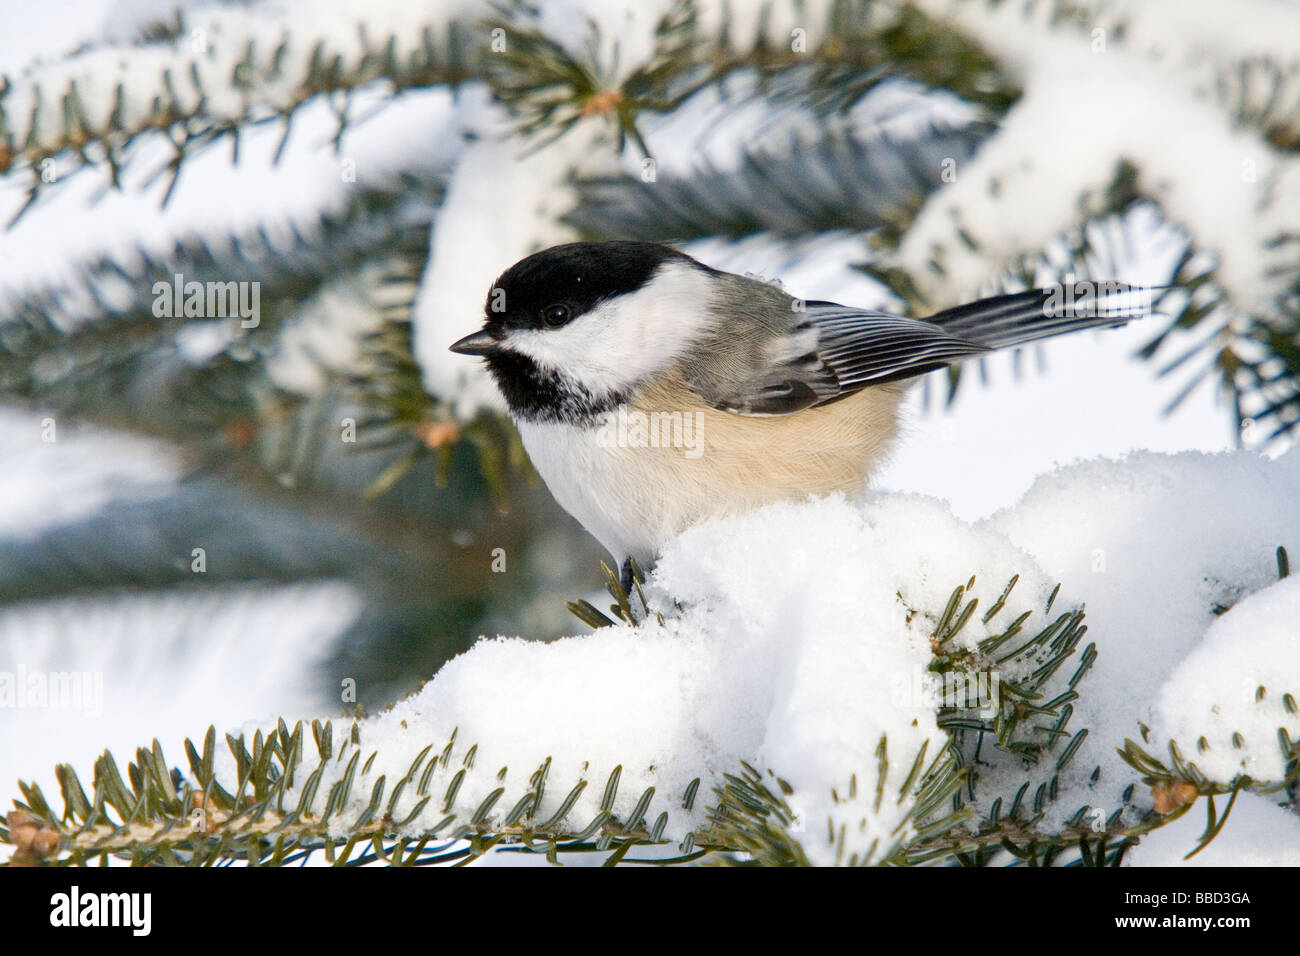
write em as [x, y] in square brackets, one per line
[233, 517]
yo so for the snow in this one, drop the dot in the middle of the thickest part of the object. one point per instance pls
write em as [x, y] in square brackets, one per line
[1141, 109]
[1258, 833]
[56, 474]
[792, 636]
[498, 209]
[733, 678]
[216, 195]
[323, 338]
[1202, 32]
[1214, 690]
[31, 32]
[1153, 544]
[625, 31]
[803, 267]
[218, 40]
[721, 124]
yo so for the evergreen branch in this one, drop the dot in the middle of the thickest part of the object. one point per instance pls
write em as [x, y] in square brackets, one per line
[117, 362]
[1006, 700]
[209, 93]
[65, 343]
[1255, 356]
[1178, 784]
[549, 89]
[1260, 92]
[1263, 95]
[622, 608]
[204, 96]
[862, 44]
[279, 806]
[839, 181]
[156, 816]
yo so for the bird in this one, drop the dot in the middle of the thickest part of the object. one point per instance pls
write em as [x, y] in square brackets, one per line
[653, 392]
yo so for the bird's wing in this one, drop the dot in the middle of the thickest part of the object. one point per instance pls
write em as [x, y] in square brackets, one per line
[828, 351]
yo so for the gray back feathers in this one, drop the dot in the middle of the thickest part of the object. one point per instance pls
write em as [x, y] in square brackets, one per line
[771, 354]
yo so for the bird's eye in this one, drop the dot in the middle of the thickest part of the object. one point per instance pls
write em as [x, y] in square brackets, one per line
[555, 315]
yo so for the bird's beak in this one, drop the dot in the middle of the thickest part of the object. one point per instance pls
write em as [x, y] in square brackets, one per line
[481, 342]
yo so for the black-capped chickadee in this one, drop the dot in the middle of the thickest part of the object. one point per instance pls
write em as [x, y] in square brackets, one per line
[653, 392]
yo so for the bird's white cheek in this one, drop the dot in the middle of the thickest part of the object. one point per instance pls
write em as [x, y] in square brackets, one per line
[575, 356]
[629, 338]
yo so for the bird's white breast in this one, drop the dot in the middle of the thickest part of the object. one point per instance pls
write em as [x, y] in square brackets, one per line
[613, 492]
[634, 497]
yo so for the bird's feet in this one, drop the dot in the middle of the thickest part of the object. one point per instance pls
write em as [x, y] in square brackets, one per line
[630, 579]
[627, 576]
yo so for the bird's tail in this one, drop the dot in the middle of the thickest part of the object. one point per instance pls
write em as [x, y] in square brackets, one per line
[1008, 320]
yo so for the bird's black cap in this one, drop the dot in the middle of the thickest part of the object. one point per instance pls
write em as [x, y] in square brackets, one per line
[577, 275]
